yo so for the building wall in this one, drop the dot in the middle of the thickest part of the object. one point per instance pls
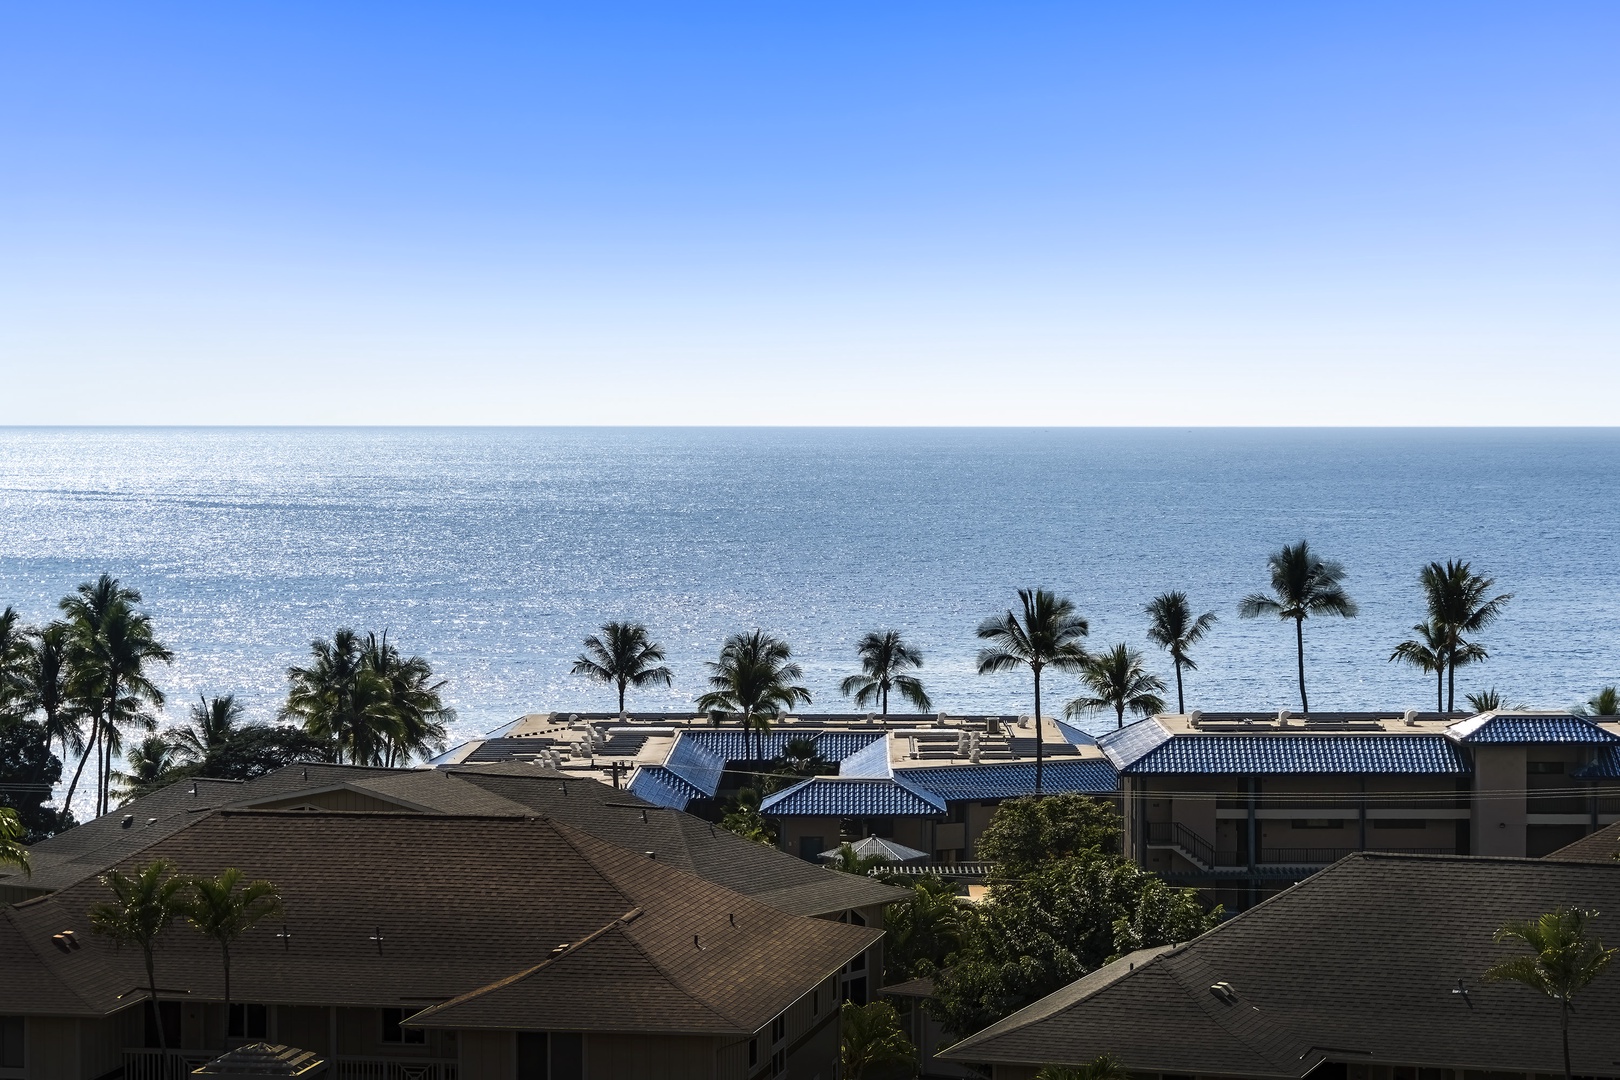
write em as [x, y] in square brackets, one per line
[491, 1054]
[1499, 801]
[308, 1027]
[51, 1048]
[631, 1057]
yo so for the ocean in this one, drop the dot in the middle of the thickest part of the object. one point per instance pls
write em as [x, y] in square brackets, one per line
[493, 552]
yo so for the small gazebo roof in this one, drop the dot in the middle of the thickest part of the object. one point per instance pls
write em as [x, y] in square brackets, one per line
[881, 848]
[262, 1059]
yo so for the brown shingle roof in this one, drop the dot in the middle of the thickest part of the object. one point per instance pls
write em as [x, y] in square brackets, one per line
[1602, 846]
[1357, 963]
[459, 902]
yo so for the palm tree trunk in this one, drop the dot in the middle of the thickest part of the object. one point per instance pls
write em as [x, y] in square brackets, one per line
[1451, 687]
[157, 1013]
[1440, 689]
[1039, 757]
[621, 697]
[1564, 1012]
[1181, 704]
[90, 748]
[1119, 708]
[885, 702]
[225, 954]
[1299, 637]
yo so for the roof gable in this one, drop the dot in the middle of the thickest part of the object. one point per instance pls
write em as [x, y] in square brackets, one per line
[841, 796]
[1517, 728]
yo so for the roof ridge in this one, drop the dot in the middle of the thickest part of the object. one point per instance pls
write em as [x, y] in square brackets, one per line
[680, 985]
[557, 954]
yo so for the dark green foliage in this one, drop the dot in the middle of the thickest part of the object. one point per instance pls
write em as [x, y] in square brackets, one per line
[885, 661]
[1047, 635]
[1302, 584]
[1040, 933]
[1103, 1067]
[256, 749]
[742, 817]
[623, 656]
[1026, 834]
[871, 1039]
[28, 772]
[922, 934]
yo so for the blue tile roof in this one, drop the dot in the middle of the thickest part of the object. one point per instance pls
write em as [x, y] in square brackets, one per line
[1130, 743]
[661, 787]
[1521, 728]
[834, 796]
[727, 744]
[1304, 753]
[1605, 766]
[1007, 780]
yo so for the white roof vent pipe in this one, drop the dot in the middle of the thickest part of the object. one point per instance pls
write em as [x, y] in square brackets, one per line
[1410, 717]
[1195, 718]
[1282, 717]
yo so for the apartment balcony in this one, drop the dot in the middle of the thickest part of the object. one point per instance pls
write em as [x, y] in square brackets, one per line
[177, 1065]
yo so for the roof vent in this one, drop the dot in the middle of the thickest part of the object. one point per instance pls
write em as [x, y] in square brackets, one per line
[1224, 991]
[151, 821]
[560, 949]
[1410, 716]
[1195, 718]
[650, 854]
[1282, 717]
[696, 944]
[129, 819]
[67, 935]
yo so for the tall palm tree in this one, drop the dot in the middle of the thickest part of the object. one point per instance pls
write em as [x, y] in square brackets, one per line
[214, 721]
[112, 647]
[12, 851]
[1563, 960]
[1046, 636]
[14, 652]
[623, 656]
[339, 700]
[143, 905]
[754, 679]
[1457, 602]
[1117, 680]
[1426, 652]
[46, 688]
[1174, 629]
[1302, 585]
[149, 765]
[224, 908]
[417, 712]
[885, 661]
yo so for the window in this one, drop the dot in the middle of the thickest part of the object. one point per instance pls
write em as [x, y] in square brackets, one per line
[779, 1063]
[11, 1042]
[810, 847]
[550, 1055]
[1318, 823]
[393, 1030]
[753, 1052]
[815, 1002]
[1544, 768]
[1399, 823]
[249, 1022]
[779, 1029]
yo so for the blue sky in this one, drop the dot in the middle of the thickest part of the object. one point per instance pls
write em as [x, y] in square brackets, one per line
[792, 213]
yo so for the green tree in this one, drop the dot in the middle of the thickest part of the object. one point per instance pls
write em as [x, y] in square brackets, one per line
[1102, 1067]
[256, 749]
[1489, 701]
[1173, 628]
[112, 646]
[46, 688]
[1046, 636]
[1117, 680]
[923, 932]
[871, 1035]
[213, 725]
[370, 704]
[754, 679]
[1025, 834]
[151, 764]
[886, 661]
[1606, 702]
[1563, 960]
[743, 818]
[1426, 652]
[144, 903]
[623, 656]
[29, 773]
[13, 661]
[1459, 607]
[416, 712]
[1302, 585]
[12, 851]
[224, 908]
[1039, 933]
[847, 862]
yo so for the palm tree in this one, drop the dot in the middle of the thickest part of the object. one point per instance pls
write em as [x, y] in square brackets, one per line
[1047, 636]
[214, 721]
[12, 851]
[111, 646]
[755, 678]
[1427, 653]
[1489, 701]
[1457, 605]
[885, 659]
[1606, 702]
[624, 656]
[339, 700]
[871, 1035]
[1103, 1067]
[1302, 585]
[1174, 629]
[14, 652]
[1118, 681]
[847, 862]
[224, 909]
[147, 767]
[418, 714]
[46, 688]
[144, 904]
[1563, 960]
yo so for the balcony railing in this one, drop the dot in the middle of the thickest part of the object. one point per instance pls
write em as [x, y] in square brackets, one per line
[1175, 834]
[177, 1065]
